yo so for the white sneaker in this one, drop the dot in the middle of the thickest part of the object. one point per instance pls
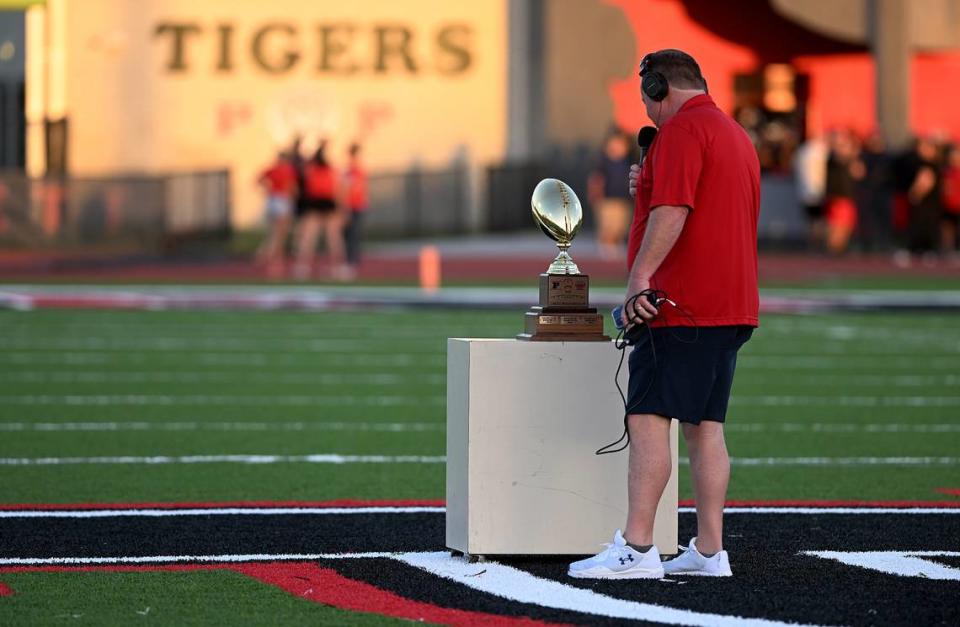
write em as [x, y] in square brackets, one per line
[692, 562]
[619, 561]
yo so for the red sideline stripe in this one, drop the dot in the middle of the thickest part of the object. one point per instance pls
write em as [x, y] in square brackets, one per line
[436, 503]
[320, 585]
[220, 504]
[323, 585]
[949, 491]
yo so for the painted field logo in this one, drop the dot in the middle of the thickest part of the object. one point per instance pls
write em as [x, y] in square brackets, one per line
[324, 551]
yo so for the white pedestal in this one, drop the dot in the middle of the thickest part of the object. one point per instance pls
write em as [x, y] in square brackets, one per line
[523, 422]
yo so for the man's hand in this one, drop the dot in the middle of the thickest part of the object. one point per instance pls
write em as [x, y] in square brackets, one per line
[639, 310]
[634, 176]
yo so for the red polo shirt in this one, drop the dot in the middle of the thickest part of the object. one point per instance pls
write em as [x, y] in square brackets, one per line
[703, 160]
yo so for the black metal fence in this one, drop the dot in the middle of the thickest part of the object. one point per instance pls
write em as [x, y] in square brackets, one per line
[418, 202]
[148, 210]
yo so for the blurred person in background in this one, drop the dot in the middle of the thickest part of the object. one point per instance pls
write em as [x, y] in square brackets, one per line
[609, 195]
[950, 219]
[873, 195]
[810, 173]
[844, 168]
[279, 183]
[317, 211]
[924, 197]
[355, 203]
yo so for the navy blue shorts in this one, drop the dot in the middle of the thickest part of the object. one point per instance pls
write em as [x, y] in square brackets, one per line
[691, 375]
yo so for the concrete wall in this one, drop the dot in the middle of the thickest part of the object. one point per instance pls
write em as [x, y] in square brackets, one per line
[160, 85]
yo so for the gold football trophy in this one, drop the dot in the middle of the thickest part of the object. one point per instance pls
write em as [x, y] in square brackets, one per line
[564, 313]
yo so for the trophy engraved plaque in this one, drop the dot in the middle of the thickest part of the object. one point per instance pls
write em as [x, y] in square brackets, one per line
[564, 313]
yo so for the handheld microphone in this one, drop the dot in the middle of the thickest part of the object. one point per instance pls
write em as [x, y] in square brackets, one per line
[644, 139]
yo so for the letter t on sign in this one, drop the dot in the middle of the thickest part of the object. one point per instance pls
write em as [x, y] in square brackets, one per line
[179, 32]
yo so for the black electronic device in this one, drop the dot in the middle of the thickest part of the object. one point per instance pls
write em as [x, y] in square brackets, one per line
[644, 138]
[653, 83]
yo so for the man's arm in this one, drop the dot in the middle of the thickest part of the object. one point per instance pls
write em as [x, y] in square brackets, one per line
[663, 228]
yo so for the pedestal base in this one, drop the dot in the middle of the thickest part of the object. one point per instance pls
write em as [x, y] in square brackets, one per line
[523, 422]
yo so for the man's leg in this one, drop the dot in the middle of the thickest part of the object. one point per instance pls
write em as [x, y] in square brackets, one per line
[648, 474]
[710, 469]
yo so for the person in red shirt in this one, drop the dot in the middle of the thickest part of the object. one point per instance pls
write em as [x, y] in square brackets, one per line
[693, 241]
[355, 201]
[279, 182]
[950, 218]
[318, 212]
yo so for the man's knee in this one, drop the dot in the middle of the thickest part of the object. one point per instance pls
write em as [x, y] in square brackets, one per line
[706, 430]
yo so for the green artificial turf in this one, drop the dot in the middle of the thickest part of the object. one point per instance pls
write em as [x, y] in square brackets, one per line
[288, 383]
[373, 383]
[215, 597]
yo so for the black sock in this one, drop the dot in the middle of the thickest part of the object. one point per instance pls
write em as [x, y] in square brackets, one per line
[640, 548]
[708, 555]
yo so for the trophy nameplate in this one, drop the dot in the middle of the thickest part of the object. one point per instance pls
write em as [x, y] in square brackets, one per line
[564, 313]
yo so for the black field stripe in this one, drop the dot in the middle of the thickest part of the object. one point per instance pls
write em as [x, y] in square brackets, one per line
[772, 578]
[219, 535]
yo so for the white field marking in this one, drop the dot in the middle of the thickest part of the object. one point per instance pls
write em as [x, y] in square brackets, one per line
[839, 461]
[333, 458]
[173, 559]
[213, 358]
[321, 458]
[417, 427]
[218, 511]
[288, 400]
[817, 511]
[199, 376]
[389, 427]
[385, 378]
[511, 583]
[899, 362]
[847, 380]
[108, 332]
[843, 401]
[299, 400]
[900, 563]
[319, 511]
[835, 427]
[199, 344]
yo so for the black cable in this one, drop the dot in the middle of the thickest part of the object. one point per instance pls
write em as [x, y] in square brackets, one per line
[624, 339]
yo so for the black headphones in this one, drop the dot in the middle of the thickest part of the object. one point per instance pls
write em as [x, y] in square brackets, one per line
[653, 83]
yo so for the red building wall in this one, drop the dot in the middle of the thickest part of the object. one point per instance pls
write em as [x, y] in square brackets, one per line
[741, 36]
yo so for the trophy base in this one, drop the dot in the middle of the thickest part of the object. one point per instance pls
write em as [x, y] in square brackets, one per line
[554, 324]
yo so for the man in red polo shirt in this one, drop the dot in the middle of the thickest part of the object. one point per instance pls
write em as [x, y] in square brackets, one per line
[692, 254]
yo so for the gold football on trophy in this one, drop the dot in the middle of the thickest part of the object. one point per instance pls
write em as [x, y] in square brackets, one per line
[557, 211]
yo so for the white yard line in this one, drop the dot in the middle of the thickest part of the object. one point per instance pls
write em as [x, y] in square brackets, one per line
[742, 400]
[49, 425]
[333, 458]
[843, 401]
[174, 559]
[287, 400]
[387, 378]
[150, 512]
[389, 427]
[214, 358]
[840, 461]
[836, 427]
[322, 458]
[201, 376]
[219, 511]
